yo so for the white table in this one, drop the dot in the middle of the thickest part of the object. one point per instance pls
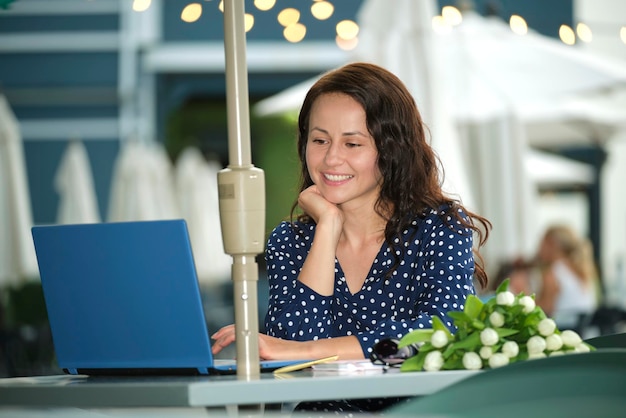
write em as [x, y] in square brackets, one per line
[215, 391]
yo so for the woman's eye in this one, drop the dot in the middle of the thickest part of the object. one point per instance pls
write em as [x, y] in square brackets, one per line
[318, 141]
[352, 145]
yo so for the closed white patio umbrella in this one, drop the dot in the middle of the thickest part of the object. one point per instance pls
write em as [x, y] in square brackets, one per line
[198, 200]
[73, 182]
[142, 186]
[17, 252]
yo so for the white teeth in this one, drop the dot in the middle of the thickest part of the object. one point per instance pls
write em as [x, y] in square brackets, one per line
[336, 177]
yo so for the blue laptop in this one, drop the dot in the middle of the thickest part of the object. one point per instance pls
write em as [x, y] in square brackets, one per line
[123, 299]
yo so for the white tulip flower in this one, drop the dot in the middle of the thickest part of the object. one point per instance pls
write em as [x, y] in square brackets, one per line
[556, 353]
[535, 345]
[486, 352]
[433, 361]
[554, 342]
[439, 339]
[582, 348]
[528, 303]
[570, 338]
[533, 356]
[496, 319]
[510, 349]
[546, 327]
[505, 298]
[489, 336]
[472, 361]
[498, 360]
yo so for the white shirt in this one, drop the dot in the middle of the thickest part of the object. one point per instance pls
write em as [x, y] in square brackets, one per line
[575, 297]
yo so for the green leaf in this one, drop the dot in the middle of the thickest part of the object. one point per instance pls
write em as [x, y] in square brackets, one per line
[416, 336]
[414, 364]
[479, 325]
[473, 306]
[533, 318]
[455, 362]
[427, 348]
[471, 343]
[504, 286]
[505, 332]
[461, 319]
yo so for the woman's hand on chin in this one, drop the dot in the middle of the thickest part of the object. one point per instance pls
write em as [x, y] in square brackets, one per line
[318, 208]
[315, 204]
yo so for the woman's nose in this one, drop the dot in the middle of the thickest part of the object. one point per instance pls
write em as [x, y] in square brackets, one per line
[333, 155]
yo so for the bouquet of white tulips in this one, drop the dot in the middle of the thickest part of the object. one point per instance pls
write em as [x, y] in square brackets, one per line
[505, 329]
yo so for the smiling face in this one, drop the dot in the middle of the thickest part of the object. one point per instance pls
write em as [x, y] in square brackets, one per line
[341, 155]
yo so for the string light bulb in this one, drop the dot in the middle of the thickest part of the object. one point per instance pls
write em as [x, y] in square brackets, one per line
[288, 16]
[622, 34]
[264, 5]
[248, 22]
[322, 10]
[584, 32]
[191, 12]
[518, 25]
[567, 35]
[141, 5]
[451, 15]
[295, 32]
[347, 29]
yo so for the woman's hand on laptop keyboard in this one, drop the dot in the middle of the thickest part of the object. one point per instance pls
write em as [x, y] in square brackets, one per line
[273, 348]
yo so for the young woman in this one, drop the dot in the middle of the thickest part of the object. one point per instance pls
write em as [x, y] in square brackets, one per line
[378, 249]
[569, 277]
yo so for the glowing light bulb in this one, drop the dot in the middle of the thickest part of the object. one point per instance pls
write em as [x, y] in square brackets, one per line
[584, 32]
[322, 10]
[191, 12]
[288, 16]
[567, 35]
[347, 29]
[622, 34]
[248, 22]
[452, 15]
[264, 5]
[295, 32]
[141, 5]
[518, 25]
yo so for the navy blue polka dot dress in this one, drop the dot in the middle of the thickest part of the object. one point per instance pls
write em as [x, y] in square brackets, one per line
[433, 277]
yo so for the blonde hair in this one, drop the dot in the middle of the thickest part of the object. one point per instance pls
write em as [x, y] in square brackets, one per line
[577, 250]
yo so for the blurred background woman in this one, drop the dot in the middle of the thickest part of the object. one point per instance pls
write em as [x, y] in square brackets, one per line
[568, 290]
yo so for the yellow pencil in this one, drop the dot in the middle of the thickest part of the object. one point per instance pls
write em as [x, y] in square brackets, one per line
[304, 365]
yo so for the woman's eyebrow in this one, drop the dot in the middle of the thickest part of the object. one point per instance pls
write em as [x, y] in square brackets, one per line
[349, 133]
[315, 128]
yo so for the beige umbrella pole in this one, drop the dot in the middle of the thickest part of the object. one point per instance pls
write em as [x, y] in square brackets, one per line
[241, 195]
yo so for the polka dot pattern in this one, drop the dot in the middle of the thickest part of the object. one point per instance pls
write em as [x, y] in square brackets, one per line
[434, 276]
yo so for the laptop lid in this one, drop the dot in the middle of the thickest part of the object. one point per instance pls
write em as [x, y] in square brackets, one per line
[123, 296]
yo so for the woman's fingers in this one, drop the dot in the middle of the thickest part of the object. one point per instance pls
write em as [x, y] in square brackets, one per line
[223, 338]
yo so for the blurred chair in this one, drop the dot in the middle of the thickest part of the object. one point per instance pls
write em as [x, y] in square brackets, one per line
[607, 319]
[608, 341]
[575, 385]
